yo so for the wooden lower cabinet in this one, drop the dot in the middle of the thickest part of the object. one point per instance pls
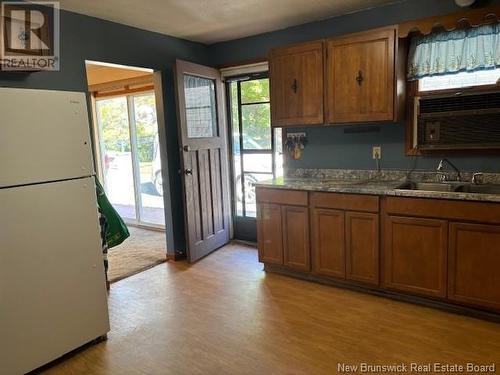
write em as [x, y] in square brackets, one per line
[346, 245]
[474, 264]
[295, 227]
[362, 247]
[415, 255]
[269, 233]
[447, 250]
[328, 242]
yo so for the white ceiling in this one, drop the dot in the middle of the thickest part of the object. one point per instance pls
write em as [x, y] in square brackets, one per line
[210, 21]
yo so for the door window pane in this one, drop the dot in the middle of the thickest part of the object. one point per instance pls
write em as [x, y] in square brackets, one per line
[256, 123]
[278, 152]
[148, 153]
[114, 135]
[238, 182]
[201, 114]
[258, 163]
[249, 191]
[254, 91]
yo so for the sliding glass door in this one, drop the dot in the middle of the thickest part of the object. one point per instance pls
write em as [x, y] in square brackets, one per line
[130, 157]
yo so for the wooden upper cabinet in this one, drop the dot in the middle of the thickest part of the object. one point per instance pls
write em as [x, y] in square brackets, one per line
[296, 78]
[360, 77]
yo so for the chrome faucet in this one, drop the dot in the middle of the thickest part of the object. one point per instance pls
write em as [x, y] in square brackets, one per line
[478, 178]
[440, 170]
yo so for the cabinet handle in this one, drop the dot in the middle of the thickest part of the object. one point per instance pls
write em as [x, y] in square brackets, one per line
[294, 86]
[360, 78]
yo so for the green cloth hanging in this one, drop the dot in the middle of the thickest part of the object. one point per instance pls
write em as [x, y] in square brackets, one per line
[117, 230]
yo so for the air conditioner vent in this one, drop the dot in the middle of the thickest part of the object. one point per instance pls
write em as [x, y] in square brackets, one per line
[460, 103]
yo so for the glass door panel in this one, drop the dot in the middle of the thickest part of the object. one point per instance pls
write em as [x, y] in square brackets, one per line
[116, 152]
[255, 157]
[201, 108]
[148, 159]
[131, 163]
[256, 126]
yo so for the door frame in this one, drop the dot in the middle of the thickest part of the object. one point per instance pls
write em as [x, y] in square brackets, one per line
[163, 135]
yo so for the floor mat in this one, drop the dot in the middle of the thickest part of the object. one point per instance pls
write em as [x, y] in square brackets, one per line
[142, 250]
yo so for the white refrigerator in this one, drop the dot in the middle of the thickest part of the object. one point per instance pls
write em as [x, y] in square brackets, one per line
[53, 296]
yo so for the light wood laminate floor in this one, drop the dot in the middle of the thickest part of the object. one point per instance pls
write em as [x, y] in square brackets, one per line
[224, 315]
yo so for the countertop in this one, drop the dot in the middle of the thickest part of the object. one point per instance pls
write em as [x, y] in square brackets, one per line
[371, 187]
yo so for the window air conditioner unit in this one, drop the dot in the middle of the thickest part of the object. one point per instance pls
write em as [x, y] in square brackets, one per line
[457, 120]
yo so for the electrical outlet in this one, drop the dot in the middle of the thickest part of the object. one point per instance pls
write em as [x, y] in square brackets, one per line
[377, 152]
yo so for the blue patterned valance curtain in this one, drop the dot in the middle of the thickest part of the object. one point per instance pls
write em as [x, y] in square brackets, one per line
[454, 51]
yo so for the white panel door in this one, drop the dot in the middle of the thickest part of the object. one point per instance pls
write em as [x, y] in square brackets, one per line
[44, 136]
[52, 286]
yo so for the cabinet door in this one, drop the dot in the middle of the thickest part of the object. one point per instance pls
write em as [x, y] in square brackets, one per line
[474, 258]
[296, 78]
[362, 247]
[296, 237]
[360, 77]
[328, 242]
[415, 255]
[269, 233]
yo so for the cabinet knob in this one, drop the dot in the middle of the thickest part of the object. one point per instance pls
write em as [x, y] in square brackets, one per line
[294, 86]
[188, 172]
[359, 77]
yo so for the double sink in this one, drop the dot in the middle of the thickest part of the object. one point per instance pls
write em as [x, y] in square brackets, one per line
[452, 186]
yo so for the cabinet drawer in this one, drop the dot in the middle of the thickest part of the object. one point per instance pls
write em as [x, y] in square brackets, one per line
[483, 212]
[281, 196]
[348, 202]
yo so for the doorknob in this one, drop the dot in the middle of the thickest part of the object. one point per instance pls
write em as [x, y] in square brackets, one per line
[186, 148]
[188, 172]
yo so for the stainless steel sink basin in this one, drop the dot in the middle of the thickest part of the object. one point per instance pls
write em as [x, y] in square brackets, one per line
[432, 186]
[480, 189]
[452, 186]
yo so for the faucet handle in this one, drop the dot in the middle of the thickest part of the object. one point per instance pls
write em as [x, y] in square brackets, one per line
[478, 178]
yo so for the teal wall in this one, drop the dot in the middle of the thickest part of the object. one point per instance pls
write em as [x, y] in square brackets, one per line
[330, 147]
[87, 38]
